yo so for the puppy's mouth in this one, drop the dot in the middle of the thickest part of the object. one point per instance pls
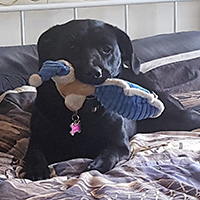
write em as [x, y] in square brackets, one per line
[93, 79]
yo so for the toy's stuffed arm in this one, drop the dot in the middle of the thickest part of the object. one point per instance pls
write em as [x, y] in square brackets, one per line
[55, 70]
[129, 100]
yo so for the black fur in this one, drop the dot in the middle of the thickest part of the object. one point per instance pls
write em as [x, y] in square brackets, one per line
[97, 51]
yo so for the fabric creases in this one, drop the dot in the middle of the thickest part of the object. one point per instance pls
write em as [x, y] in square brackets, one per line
[162, 165]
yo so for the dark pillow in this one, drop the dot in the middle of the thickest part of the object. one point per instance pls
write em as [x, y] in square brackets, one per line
[171, 60]
[16, 65]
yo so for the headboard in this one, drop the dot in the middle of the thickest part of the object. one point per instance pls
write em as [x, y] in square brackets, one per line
[23, 10]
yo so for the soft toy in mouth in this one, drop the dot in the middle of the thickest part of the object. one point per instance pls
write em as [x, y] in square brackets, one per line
[127, 99]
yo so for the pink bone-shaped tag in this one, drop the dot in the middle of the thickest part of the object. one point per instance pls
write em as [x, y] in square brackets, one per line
[75, 128]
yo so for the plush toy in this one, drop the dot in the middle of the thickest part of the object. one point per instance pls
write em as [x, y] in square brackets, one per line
[62, 73]
[127, 99]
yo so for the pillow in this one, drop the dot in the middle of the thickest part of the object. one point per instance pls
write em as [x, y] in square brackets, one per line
[171, 60]
[15, 114]
[16, 65]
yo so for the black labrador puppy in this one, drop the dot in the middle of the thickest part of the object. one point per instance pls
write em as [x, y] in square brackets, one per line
[97, 51]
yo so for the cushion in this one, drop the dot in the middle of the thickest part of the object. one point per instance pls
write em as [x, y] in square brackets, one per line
[16, 65]
[171, 60]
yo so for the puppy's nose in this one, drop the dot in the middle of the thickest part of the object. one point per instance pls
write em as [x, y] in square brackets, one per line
[97, 72]
[94, 72]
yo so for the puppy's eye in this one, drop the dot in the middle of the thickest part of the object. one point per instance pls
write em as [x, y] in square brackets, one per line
[107, 50]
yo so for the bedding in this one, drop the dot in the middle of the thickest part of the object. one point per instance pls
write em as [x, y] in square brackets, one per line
[162, 165]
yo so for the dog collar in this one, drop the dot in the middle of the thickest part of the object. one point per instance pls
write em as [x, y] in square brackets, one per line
[97, 105]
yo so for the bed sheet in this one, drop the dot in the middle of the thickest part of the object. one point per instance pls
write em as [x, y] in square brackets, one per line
[162, 165]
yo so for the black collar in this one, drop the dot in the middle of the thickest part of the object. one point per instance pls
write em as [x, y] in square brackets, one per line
[93, 103]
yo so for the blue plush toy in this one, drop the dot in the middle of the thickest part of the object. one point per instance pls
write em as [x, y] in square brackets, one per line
[125, 98]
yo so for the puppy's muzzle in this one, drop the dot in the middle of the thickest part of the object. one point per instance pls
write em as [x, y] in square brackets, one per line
[95, 73]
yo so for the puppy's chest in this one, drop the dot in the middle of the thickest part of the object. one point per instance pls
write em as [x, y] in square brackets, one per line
[87, 119]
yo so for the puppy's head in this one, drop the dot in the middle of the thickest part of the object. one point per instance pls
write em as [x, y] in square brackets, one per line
[95, 49]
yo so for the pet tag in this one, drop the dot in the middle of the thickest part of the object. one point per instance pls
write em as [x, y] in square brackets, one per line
[75, 125]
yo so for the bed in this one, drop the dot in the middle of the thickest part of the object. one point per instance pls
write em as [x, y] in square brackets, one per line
[163, 164]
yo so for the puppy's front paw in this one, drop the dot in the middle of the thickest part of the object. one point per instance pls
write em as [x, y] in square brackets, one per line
[104, 162]
[36, 167]
[35, 173]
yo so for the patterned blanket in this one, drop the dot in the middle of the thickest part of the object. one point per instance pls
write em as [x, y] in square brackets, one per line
[162, 165]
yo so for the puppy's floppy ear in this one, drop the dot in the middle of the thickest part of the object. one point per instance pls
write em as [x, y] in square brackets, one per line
[46, 45]
[127, 50]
